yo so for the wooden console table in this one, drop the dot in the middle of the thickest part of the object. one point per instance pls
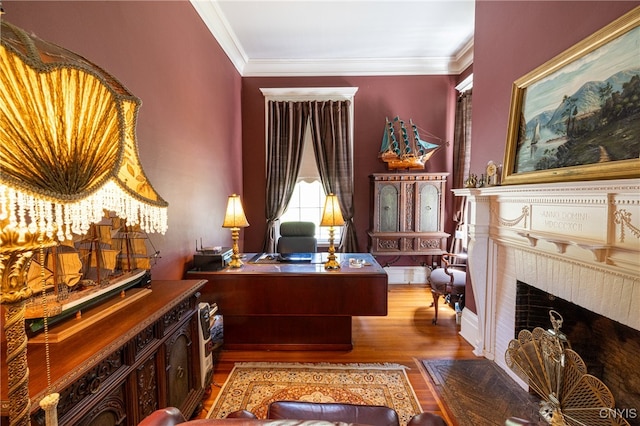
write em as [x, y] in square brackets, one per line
[295, 306]
[140, 358]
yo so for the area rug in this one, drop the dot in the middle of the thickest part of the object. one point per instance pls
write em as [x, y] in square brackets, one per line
[252, 386]
[477, 392]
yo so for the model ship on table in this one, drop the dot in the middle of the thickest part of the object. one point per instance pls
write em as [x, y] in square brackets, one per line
[403, 148]
[112, 257]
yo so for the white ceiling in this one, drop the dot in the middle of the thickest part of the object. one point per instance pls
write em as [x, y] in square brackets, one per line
[342, 37]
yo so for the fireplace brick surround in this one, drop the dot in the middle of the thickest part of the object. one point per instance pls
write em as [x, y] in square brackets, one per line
[579, 241]
[609, 349]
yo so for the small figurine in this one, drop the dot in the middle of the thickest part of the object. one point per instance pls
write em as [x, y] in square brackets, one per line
[471, 181]
[493, 174]
[481, 181]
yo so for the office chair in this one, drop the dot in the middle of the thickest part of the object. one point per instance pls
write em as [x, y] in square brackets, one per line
[297, 237]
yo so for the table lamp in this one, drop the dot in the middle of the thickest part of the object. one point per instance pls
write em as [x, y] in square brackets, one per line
[331, 216]
[68, 152]
[235, 219]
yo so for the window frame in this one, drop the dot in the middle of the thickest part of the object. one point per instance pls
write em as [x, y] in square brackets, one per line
[302, 94]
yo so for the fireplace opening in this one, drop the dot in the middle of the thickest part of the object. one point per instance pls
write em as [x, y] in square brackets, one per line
[609, 349]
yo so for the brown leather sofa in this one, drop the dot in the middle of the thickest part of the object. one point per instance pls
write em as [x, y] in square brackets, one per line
[290, 413]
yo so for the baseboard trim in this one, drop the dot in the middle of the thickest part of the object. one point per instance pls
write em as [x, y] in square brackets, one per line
[407, 274]
[469, 327]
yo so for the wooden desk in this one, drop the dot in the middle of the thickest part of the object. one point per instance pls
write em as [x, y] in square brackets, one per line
[125, 366]
[301, 306]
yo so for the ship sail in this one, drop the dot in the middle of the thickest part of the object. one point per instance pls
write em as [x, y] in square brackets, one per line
[535, 139]
[60, 271]
[131, 242]
[97, 253]
[405, 149]
[536, 134]
[62, 265]
[66, 264]
[36, 275]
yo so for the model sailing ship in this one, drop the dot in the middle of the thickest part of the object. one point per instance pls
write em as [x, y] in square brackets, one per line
[110, 258]
[403, 148]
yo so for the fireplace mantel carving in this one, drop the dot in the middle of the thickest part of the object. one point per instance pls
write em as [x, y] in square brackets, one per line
[576, 240]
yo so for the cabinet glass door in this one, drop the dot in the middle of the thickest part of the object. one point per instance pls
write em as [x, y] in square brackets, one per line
[388, 208]
[429, 208]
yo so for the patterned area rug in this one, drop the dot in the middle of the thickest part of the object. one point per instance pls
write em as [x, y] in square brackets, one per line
[479, 393]
[252, 386]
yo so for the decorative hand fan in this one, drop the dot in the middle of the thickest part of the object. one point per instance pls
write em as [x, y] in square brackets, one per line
[559, 376]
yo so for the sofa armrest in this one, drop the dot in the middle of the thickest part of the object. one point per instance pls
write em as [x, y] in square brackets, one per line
[334, 412]
[426, 419]
[241, 414]
[168, 416]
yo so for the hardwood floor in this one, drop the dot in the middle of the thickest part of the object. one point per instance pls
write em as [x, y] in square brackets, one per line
[404, 336]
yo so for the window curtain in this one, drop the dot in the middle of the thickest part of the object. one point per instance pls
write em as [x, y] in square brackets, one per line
[461, 153]
[334, 156]
[285, 137]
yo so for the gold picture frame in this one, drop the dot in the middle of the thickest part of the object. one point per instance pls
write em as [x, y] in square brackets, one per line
[565, 122]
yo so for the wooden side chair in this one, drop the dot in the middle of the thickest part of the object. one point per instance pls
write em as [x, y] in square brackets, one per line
[449, 281]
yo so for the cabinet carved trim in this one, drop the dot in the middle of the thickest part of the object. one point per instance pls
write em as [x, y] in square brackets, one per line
[147, 386]
[111, 410]
[172, 317]
[180, 378]
[91, 383]
[408, 214]
[143, 339]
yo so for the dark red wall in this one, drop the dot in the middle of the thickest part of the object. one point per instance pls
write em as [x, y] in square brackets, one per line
[201, 127]
[428, 100]
[513, 38]
[189, 130]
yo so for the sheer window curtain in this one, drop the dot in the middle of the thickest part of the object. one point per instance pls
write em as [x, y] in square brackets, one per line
[330, 130]
[287, 122]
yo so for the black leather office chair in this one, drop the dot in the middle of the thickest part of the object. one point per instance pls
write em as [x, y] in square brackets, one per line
[297, 237]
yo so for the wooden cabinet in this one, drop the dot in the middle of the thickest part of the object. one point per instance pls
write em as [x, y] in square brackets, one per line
[140, 358]
[408, 214]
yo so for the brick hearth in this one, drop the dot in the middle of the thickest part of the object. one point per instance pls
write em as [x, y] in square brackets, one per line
[608, 348]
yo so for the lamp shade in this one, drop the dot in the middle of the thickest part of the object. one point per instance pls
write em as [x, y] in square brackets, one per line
[67, 142]
[332, 215]
[234, 217]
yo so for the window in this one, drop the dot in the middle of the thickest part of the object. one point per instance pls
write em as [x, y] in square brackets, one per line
[307, 203]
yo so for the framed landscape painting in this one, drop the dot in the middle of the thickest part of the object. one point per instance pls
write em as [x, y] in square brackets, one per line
[577, 117]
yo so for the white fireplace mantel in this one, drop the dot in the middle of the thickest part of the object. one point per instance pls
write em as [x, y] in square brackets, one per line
[578, 240]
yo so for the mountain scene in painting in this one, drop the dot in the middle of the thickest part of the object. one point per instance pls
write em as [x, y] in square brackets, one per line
[587, 111]
[599, 122]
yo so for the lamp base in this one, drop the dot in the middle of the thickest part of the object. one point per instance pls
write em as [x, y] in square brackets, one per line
[331, 264]
[235, 261]
[235, 257]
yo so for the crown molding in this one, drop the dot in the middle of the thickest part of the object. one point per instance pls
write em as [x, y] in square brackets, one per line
[463, 58]
[219, 27]
[342, 67]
